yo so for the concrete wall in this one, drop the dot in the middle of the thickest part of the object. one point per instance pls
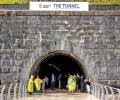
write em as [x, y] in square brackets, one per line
[94, 37]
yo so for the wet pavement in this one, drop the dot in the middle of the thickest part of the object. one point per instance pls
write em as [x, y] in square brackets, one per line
[61, 96]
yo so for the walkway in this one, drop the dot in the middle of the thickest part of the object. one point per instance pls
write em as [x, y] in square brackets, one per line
[61, 96]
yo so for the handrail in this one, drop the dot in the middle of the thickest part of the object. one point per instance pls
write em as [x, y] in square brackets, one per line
[2, 92]
[17, 90]
[25, 89]
[105, 92]
[9, 91]
[20, 91]
[13, 91]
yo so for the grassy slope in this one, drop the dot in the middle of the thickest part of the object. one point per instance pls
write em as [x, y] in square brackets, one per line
[7, 1]
[105, 2]
[95, 2]
[13, 1]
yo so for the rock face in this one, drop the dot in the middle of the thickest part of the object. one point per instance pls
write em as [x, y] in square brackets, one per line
[94, 37]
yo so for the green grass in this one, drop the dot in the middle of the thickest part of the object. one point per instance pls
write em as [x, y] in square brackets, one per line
[104, 2]
[14, 1]
[93, 2]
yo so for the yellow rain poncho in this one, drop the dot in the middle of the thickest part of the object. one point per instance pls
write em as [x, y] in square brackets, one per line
[71, 83]
[38, 82]
[31, 84]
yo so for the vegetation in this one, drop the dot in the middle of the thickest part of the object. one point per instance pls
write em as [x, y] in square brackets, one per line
[93, 2]
[104, 2]
[14, 1]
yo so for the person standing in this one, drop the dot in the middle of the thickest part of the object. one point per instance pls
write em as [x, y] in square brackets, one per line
[78, 81]
[38, 82]
[81, 83]
[65, 81]
[71, 84]
[88, 84]
[44, 81]
[59, 80]
[31, 85]
[53, 80]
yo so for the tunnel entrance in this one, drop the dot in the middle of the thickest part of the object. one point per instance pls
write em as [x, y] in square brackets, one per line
[57, 63]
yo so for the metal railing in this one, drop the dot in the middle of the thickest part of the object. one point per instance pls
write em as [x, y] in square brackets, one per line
[13, 91]
[105, 92]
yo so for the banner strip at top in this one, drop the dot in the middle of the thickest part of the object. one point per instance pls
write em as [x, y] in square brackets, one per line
[59, 6]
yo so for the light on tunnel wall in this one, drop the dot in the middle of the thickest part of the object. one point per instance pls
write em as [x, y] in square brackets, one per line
[54, 67]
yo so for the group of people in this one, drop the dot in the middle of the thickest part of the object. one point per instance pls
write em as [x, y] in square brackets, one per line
[71, 82]
[76, 82]
[37, 84]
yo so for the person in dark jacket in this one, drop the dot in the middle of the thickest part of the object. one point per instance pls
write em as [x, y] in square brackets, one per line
[53, 81]
[59, 80]
[81, 83]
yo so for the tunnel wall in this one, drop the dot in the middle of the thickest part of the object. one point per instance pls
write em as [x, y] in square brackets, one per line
[94, 37]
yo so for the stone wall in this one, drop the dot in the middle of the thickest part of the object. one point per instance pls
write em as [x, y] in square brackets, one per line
[93, 36]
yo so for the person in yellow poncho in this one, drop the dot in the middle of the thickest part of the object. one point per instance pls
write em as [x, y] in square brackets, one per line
[31, 85]
[71, 84]
[38, 82]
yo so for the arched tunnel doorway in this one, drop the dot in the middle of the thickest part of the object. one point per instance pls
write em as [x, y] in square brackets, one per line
[57, 63]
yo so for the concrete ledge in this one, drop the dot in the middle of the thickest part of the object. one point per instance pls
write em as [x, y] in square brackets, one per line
[60, 13]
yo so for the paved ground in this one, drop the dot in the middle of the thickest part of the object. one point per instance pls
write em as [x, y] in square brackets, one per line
[61, 96]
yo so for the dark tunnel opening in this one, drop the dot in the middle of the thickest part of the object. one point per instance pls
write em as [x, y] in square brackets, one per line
[58, 64]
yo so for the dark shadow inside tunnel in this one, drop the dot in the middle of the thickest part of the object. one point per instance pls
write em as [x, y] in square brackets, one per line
[58, 63]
